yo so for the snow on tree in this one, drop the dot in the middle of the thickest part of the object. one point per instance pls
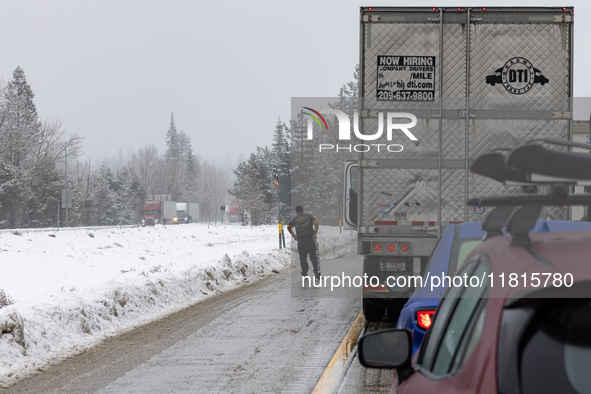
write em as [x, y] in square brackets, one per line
[13, 193]
[22, 120]
[252, 189]
[282, 162]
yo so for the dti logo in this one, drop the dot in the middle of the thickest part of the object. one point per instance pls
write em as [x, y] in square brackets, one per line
[345, 124]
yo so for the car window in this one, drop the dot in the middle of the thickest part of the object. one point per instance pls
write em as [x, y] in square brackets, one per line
[556, 355]
[457, 325]
[458, 329]
[445, 307]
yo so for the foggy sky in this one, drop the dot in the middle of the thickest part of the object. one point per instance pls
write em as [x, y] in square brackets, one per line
[113, 71]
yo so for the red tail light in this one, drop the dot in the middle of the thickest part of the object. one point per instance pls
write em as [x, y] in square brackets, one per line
[391, 248]
[377, 248]
[424, 318]
[404, 248]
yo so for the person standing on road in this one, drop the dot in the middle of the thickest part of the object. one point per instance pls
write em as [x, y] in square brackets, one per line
[306, 227]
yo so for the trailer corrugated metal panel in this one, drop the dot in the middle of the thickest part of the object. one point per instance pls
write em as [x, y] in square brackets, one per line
[490, 79]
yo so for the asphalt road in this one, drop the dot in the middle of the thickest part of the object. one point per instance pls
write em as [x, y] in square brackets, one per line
[264, 337]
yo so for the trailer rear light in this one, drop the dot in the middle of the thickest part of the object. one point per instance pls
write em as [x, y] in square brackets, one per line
[483, 8]
[370, 8]
[377, 247]
[424, 318]
[459, 9]
[404, 248]
[391, 248]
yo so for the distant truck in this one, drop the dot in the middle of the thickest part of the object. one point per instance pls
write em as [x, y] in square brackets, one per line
[235, 216]
[160, 209]
[186, 213]
[182, 207]
[152, 213]
[419, 64]
[158, 212]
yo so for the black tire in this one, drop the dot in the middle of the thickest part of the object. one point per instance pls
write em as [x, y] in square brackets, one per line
[372, 312]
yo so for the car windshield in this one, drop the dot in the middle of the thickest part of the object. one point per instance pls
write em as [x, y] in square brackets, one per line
[460, 250]
[150, 212]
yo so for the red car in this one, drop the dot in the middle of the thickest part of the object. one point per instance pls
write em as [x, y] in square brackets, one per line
[518, 319]
[495, 339]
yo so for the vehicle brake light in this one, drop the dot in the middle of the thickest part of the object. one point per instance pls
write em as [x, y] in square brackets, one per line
[391, 248]
[377, 247]
[424, 318]
[404, 248]
[370, 8]
[459, 9]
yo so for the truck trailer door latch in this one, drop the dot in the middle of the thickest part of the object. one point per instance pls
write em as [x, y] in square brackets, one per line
[562, 115]
[368, 163]
[563, 18]
[371, 18]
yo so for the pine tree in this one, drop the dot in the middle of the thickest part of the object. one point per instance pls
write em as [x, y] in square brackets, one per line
[22, 121]
[173, 173]
[252, 191]
[13, 194]
[173, 150]
[282, 162]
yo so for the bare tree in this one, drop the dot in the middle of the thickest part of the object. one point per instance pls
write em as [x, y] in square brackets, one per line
[146, 163]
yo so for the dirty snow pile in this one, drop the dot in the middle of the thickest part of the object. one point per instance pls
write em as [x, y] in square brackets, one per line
[72, 289]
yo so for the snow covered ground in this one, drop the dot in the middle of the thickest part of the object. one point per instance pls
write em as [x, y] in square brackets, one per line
[76, 288]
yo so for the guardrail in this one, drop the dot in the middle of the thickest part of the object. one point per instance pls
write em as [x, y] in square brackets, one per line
[35, 230]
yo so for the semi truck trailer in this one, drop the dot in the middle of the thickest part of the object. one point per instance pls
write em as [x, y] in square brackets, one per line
[462, 81]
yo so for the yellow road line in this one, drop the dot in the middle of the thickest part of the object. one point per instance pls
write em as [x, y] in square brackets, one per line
[335, 367]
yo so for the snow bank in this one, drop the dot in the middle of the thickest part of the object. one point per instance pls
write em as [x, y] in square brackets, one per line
[74, 289]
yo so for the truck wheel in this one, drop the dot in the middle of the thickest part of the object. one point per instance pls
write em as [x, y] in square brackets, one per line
[372, 312]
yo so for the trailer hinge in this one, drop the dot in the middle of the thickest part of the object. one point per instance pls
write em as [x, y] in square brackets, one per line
[563, 18]
[369, 114]
[462, 114]
[368, 163]
[562, 115]
[371, 18]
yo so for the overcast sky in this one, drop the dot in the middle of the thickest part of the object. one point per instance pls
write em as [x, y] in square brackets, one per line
[113, 71]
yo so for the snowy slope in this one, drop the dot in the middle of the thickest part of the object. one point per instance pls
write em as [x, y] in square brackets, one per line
[76, 288]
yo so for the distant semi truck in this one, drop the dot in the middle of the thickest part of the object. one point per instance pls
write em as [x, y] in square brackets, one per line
[152, 213]
[160, 209]
[235, 216]
[186, 212]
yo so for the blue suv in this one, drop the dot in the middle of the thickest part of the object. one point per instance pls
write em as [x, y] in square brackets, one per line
[454, 245]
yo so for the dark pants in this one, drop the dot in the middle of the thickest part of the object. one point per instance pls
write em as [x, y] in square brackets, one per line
[307, 246]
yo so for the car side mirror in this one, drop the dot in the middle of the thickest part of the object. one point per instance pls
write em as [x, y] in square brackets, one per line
[386, 349]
